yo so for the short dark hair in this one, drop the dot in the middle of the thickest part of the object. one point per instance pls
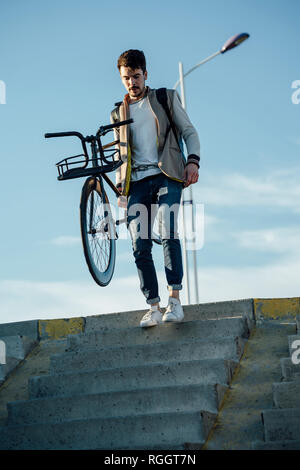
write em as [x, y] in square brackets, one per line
[133, 59]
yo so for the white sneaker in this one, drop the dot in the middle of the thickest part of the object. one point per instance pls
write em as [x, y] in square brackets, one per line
[174, 311]
[151, 318]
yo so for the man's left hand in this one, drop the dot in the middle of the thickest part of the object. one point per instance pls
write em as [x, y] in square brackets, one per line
[191, 174]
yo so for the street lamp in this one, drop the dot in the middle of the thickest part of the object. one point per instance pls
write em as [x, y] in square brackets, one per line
[228, 45]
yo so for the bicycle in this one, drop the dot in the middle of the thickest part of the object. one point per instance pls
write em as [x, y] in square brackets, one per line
[97, 225]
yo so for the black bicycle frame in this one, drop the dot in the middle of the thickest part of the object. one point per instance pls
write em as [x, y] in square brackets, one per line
[95, 141]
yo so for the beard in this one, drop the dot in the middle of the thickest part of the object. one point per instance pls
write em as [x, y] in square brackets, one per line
[136, 92]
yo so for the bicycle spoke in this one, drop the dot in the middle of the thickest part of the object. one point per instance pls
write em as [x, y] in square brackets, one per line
[98, 238]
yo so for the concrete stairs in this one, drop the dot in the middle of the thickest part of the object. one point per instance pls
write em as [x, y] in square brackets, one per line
[282, 422]
[14, 349]
[118, 386]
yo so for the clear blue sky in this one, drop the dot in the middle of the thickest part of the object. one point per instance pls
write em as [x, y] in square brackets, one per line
[58, 61]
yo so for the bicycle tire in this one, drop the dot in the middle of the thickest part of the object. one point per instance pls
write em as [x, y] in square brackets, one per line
[97, 232]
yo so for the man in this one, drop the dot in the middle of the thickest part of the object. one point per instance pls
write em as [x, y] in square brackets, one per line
[154, 171]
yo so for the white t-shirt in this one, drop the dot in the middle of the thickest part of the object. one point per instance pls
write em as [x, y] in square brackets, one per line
[143, 139]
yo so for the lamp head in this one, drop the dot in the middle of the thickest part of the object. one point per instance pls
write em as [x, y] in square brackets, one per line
[234, 41]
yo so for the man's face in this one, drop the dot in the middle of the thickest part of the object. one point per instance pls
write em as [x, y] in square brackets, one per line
[134, 81]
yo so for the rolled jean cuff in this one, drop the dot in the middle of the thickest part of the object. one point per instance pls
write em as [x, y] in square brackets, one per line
[175, 287]
[153, 301]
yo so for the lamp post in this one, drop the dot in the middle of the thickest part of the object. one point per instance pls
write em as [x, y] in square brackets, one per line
[228, 45]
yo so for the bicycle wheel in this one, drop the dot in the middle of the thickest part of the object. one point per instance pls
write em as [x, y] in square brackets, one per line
[98, 231]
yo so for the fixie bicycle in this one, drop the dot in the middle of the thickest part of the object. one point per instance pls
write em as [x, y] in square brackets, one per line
[97, 225]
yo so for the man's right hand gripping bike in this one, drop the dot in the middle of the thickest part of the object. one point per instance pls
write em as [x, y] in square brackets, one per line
[98, 227]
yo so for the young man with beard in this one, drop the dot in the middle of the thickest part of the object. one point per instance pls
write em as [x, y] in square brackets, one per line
[154, 171]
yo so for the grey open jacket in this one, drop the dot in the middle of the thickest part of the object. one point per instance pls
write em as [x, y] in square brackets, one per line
[170, 159]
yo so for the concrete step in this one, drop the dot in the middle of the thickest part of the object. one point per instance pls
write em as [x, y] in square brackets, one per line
[209, 371]
[205, 311]
[191, 330]
[276, 445]
[184, 398]
[286, 394]
[212, 348]
[281, 425]
[156, 431]
[14, 349]
[28, 328]
[5, 369]
[289, 370]
[18, 346]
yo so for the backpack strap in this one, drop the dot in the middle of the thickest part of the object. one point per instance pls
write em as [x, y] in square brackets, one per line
[162, 98]
[116, 111]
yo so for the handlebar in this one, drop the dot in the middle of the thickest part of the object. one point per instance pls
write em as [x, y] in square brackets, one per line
[64, 134]
[116, 124]
[102, 129]
[67, 134]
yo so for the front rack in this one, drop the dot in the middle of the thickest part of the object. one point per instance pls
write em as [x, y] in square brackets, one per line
[79, 166]
[76, 167]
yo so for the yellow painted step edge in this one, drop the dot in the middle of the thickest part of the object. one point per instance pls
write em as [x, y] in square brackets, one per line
[276, 308]
[60, 328]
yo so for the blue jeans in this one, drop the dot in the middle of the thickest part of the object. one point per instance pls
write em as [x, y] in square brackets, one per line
[164, 194]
